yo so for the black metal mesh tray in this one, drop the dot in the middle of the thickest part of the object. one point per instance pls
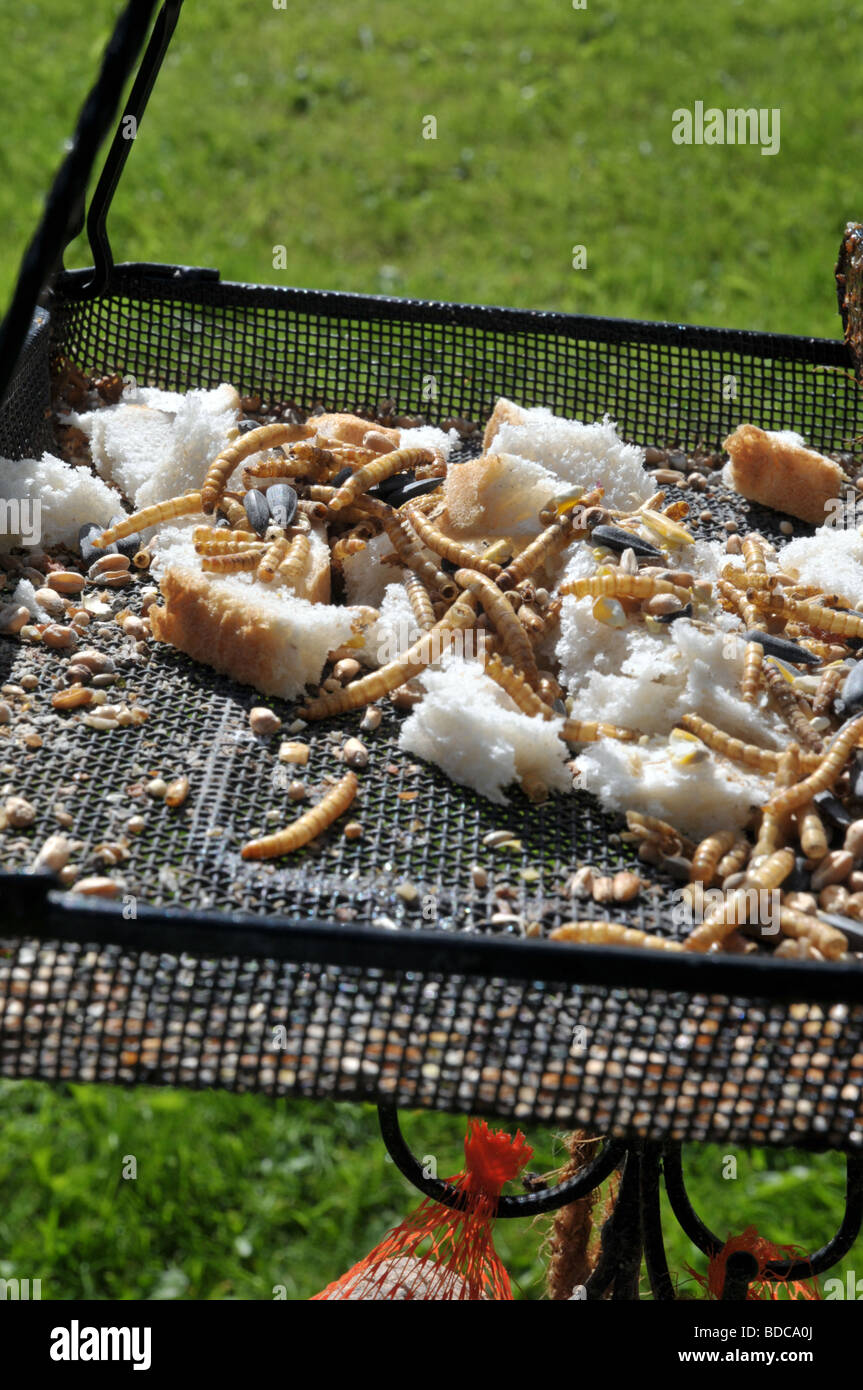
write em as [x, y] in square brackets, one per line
[317, 978]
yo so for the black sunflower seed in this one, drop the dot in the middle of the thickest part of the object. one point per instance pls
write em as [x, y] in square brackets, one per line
[257, 510]
[341, 477]
[852, 690]
[831, 810]
[782, 647]
[847, 925]
[685, 612]
[410, 488]
[857, 775]
[89, 551]
[615, 538]
[799, 879]
[282, 501]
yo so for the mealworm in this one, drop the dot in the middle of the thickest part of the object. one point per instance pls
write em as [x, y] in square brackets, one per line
[735, 859]
[347, 545]
[825, 651]
[813, 836]
[705, 860]
[831, 942]
[555, 537]
[228, 545]
[753, 556]
[531, 621]
[828, 689]
[575, 501]
[760, 759]
[351, 455]
[315, 511]
[316, 460]
[420, 601]
[503, 619]
[770, 833]
[744, 580]
[839, 624]
[788, 702]
[202, 534]
[588, 731]
[823, 777]
[233, 511]
[517, 688]
[549, 618]
[376, 684]
[296, 561]
[728, 915]
[231, 564]
[275, 553]
[670, 840]
[753, 663]
[309, 825]
[448, 549]
[223, 465]
[611, 934]
[380, 468]
[739, 604]
[266, 472]
[620, 585]
[408, 546]
[186, 505]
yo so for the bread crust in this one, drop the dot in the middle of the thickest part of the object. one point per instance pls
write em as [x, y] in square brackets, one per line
[352, 429]
[223, 628]
[505, 412]
[216, 627]
[787, 477]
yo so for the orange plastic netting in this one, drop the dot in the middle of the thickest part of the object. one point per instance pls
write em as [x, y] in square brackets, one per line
[445, 1252]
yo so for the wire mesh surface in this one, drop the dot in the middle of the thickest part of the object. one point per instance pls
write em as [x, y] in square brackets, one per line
[608, 1059]
[25, 414]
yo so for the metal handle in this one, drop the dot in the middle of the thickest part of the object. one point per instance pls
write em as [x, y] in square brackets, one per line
[100, 203]
[63, 215]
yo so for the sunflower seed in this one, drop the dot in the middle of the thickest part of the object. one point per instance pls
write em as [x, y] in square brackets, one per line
[782, 647]
[257, 510]
[282, 502]
[89, 551]
[616, 539]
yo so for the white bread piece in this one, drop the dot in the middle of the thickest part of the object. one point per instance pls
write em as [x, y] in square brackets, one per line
[496, 495]
[831, 560]
[626, 676]
[429, 437]
[263, 635]
[350, 429]
[696, 797]
[505, 412]
[471, 729]
[775, 468]
[152, 452]
[393, 633]
[531, 457]
[578, 454]
[67, 496]
[365, 577]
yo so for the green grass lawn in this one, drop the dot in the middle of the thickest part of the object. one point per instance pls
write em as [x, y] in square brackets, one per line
[235, 1195]
[303, 128]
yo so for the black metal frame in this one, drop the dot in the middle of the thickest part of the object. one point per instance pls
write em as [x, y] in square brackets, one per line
[634, 1228]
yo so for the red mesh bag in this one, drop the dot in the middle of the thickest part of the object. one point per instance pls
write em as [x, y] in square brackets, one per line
[445, 1252]
[760, 1288]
